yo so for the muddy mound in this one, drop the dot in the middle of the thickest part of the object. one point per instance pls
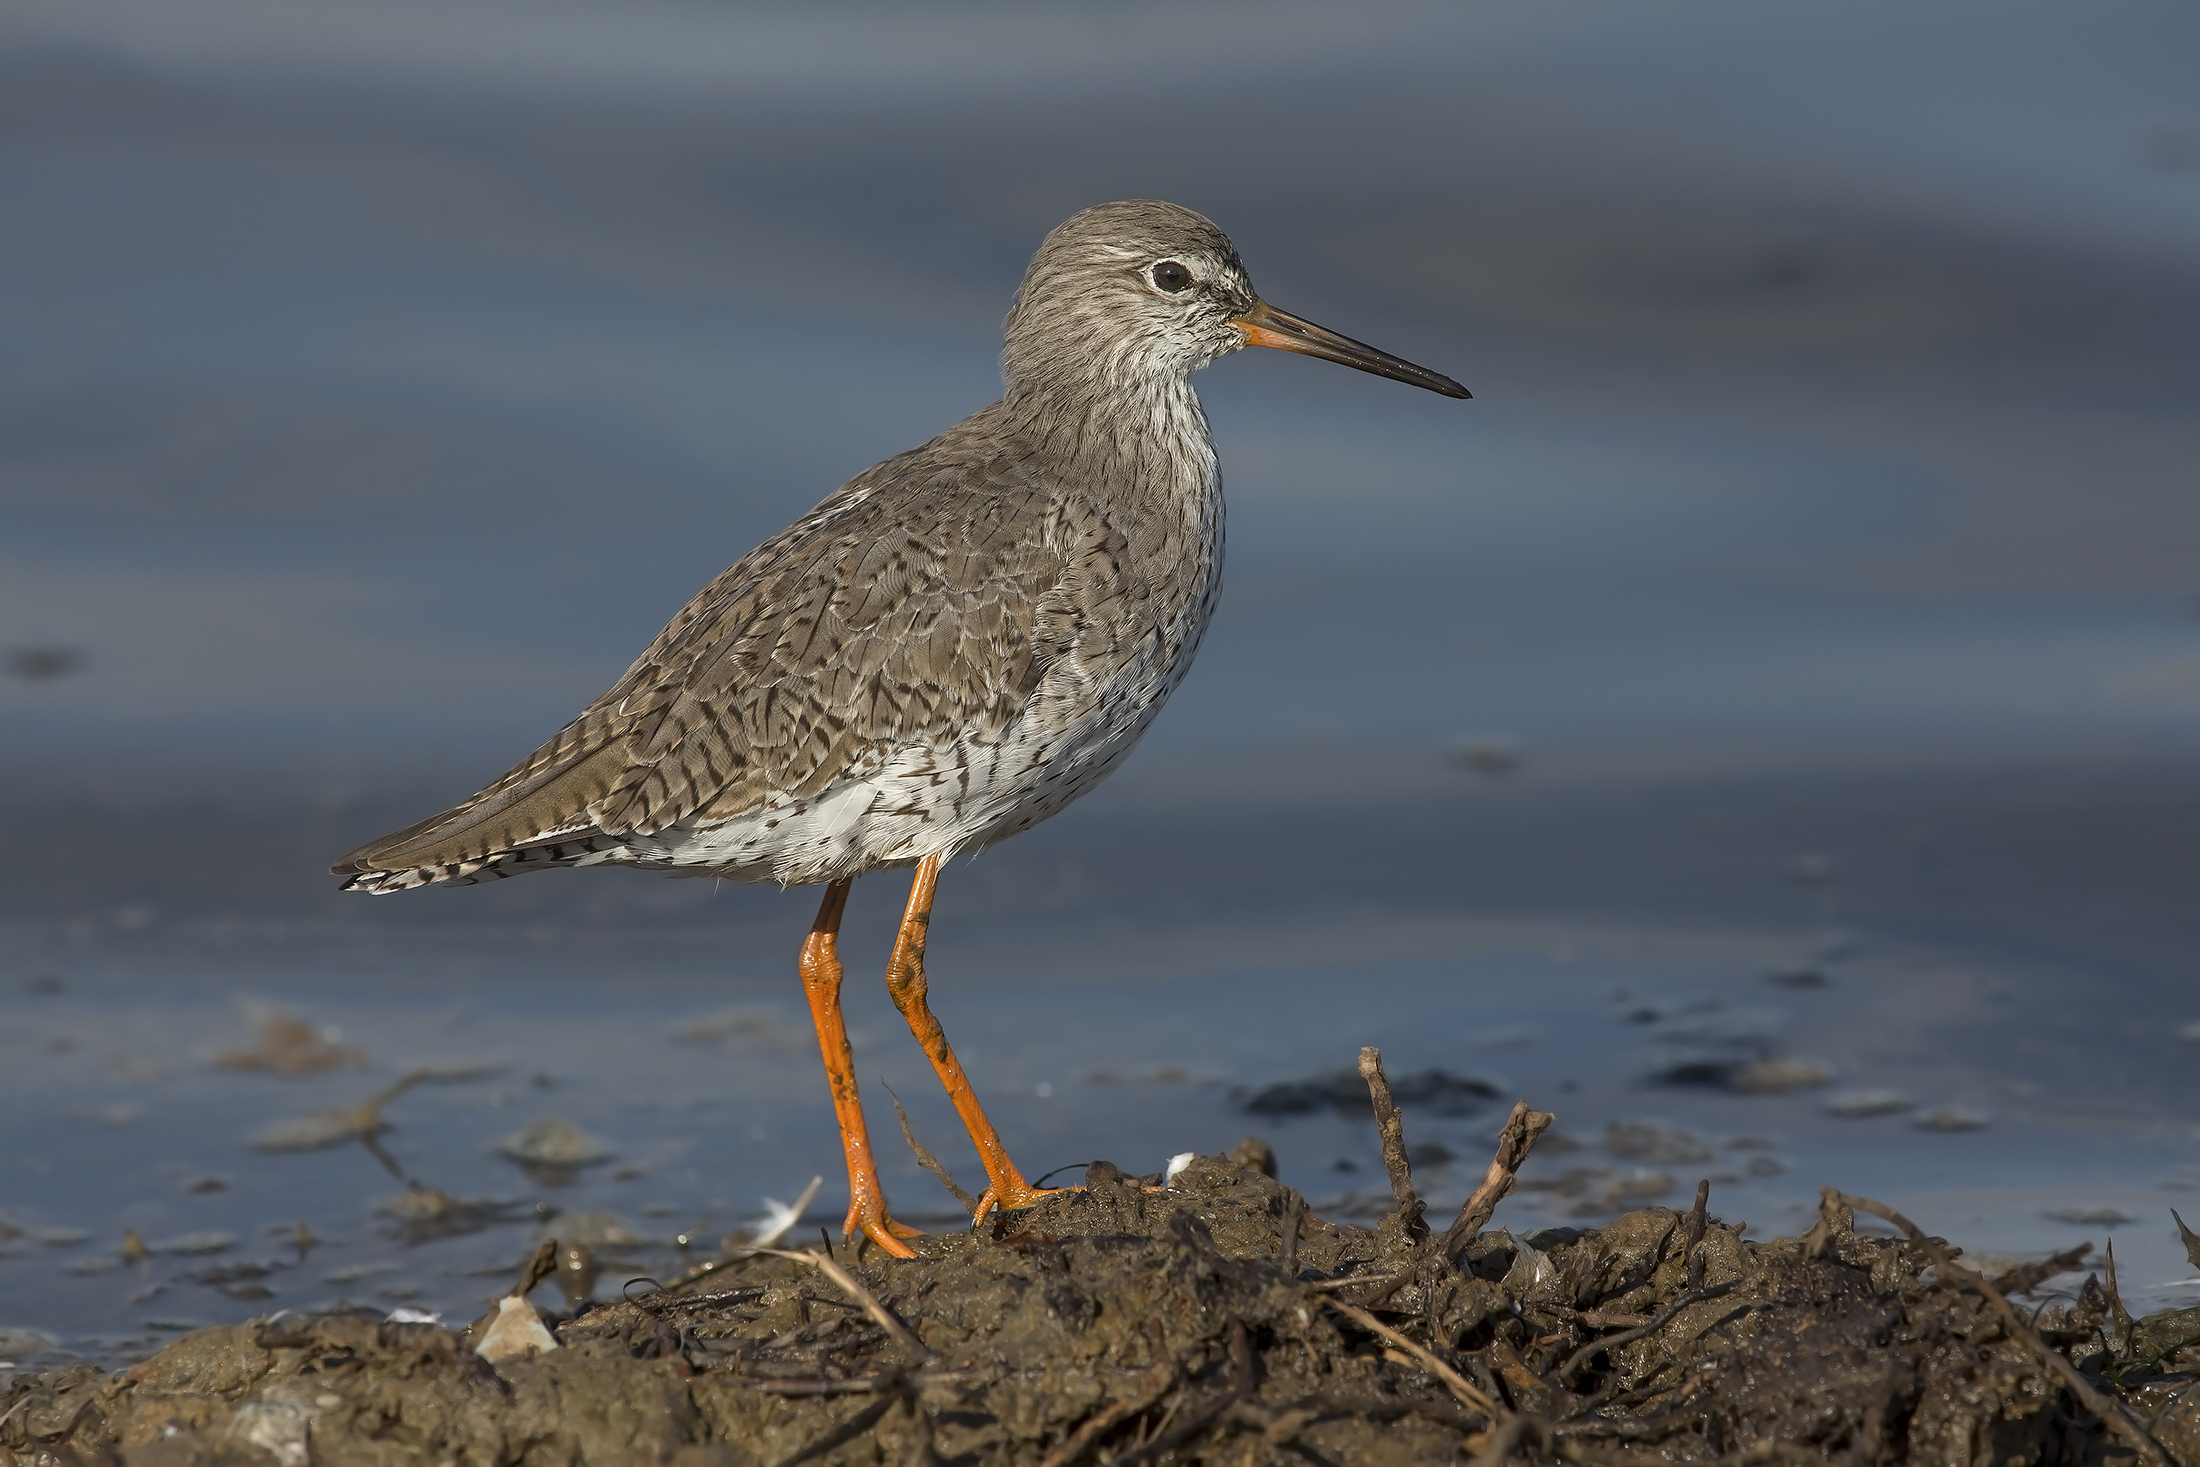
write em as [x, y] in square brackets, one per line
[1210, 1321]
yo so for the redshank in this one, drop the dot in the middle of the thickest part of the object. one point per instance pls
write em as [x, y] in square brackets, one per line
[950, 648]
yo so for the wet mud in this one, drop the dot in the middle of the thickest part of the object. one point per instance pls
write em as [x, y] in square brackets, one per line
[1212, 1320]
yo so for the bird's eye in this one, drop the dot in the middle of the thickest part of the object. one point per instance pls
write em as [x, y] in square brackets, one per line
[1171, 277]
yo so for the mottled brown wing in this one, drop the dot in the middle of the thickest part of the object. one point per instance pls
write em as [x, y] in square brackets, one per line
[902, 608]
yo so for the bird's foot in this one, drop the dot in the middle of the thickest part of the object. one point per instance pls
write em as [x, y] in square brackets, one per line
[881, 1229]
[1014, 1199]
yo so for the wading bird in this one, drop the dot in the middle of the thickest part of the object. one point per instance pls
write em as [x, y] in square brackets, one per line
[950, 648]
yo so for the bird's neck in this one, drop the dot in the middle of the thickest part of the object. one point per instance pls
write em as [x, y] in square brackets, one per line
[1151, 429]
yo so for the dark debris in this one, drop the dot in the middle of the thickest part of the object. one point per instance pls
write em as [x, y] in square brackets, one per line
[1118, 1325]
[1430, 1093]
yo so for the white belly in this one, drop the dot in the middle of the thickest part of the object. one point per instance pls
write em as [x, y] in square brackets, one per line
[963, 790]
[928, 801]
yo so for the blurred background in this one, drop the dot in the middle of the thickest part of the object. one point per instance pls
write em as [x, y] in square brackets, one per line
[1759, 727]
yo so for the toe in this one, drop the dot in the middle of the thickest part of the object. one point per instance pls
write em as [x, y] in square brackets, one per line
[882, 1232]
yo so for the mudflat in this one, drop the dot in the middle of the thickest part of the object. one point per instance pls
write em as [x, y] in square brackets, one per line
[1211, 1319]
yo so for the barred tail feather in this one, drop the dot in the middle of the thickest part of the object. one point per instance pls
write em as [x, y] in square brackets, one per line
[587, 851]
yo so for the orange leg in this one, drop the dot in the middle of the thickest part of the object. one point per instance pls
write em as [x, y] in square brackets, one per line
[821, 981]
[1005, 1185]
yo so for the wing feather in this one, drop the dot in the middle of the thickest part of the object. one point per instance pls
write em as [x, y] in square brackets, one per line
[902, 608]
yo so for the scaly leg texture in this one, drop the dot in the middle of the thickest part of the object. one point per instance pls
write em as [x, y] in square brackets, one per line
[1005, 1185]
[821, 981]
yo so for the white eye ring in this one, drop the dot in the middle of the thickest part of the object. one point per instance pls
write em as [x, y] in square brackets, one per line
[1171, 276]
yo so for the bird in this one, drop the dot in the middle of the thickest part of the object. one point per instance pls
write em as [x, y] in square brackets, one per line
[947, 650]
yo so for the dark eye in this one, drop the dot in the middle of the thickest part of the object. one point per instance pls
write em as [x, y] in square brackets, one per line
[1171, 276]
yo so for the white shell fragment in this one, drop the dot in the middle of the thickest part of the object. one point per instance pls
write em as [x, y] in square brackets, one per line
[515, 1333]
[552, 1142]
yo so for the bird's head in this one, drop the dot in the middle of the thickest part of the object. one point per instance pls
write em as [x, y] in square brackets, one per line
[1125, 294]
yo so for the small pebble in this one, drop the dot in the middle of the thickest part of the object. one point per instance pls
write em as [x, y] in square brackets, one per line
[1950, 1119]
[322, 1129]
[515, 1333]
[2091, 1217]
[1778, 1076]
[1858, 1104]
[551, 1142]
[192, 1244]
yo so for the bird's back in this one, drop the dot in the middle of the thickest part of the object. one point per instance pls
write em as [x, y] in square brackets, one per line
[950, 647]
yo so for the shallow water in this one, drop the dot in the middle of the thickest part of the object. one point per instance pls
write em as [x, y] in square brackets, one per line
[1787, 658]
[1621, 948]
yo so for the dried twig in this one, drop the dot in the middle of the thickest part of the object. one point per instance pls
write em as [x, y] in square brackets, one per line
[1323, 1286]
[1393, 1129]
[1580, 1359]
[1598, 1319]
[1593, 1318]
[900, 1333]
[2110, 1412]
[536, 1269]
[1452, 1379]
[1239, 1395]
[1638, 1275]
[2026, 1277]
[1504, 1440]
[1696, 1221]
[780, 1221]
[1156, 1384]
[926, 1159]
[1834, 1220]
[1513, 1145]
[862, 1385]
[1384, 1288]
[2116, 1308]
[2188, 1237]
